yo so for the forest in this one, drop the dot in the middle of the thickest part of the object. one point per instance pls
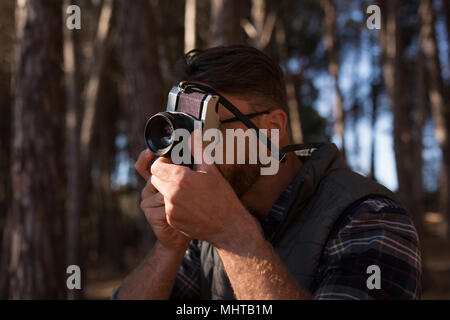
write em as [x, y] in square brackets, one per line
[372, 76]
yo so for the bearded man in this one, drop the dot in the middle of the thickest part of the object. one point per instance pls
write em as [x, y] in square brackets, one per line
[315, 229]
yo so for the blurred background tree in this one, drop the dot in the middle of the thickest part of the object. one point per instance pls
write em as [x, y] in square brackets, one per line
[32, 250]
[74, 103]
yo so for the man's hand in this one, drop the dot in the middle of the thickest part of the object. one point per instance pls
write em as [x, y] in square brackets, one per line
[155, 276]
[200, 203]
[203, 205]
[152, 204]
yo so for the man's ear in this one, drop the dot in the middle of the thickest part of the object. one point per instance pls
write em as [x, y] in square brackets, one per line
[277, 119]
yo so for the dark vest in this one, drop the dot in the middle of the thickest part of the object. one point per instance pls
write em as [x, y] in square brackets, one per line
[323, 191]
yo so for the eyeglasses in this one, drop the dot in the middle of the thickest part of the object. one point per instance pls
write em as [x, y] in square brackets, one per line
[248, 116]
[239, 116]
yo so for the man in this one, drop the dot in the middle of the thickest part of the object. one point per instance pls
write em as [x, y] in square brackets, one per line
[315, 229]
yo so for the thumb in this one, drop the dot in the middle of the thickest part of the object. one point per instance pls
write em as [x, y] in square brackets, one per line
[203, 162]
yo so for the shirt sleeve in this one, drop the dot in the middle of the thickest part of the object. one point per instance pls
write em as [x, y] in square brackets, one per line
[187, 283]
[377, 233]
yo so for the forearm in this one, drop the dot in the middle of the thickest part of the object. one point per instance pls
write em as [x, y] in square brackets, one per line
[255, 269]
[154, 278]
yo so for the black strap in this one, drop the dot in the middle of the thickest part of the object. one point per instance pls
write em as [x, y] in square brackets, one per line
[310, 147]
[191, 86]
[249, 115]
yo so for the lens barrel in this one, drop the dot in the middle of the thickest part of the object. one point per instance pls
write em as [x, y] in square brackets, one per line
[160, 131]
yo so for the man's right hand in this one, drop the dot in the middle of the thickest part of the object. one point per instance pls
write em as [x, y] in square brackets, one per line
[155, 276]
[152, 204]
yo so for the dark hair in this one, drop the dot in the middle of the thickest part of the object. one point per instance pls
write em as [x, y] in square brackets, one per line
[237, 69]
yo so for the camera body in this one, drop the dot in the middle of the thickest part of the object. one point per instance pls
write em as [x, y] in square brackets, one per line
[187, 109]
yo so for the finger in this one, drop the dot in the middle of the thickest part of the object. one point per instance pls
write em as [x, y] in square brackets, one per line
[155, 214]
[143, 162]
[167, 171]
[149, 189]
[154, 201]
[162, 186]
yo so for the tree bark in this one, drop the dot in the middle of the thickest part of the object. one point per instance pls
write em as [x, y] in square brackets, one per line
[189, 25]
[446, 9]
[331, 46]
[393, 71]
[33, 263]
[293, 106]
[419, 121]
[6, 51]
[81, 112]
[143, 89]
[6, 48]
[439, 105]
[447, 90]
[224, 22]
[80, 124]
[375, 92]
[261, 28]
[163, 41]
[76, 199]
[110, 240]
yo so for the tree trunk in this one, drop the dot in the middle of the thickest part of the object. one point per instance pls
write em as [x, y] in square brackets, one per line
[76, 195]
[224, 22]
[439, 105]
[6, 48]
[375, 92]
[34, 239]
[80, 124]
[260, 29]
[163, 44]
[446, 9]
[6, 51]
[80, 116]
[393, 71]
[189, 25]
[447, 90]
[293, 106]
[138, 54]
[110, 246]
[331, 46]
[419, 121]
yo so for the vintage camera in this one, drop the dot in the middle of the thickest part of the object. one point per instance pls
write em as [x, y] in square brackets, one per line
[193, 105]
[187, 108]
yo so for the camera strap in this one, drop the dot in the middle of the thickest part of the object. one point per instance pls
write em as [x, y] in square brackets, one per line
[301, 150]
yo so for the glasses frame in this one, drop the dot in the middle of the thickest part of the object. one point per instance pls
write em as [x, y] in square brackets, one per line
[192, 86]
[248, 116]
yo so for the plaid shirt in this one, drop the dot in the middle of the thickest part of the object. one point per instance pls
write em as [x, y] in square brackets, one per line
[375, 232]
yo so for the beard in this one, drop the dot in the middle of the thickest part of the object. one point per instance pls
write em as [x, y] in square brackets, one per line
[240, 176]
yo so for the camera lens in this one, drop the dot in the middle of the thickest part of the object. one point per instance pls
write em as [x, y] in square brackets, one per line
[166, 137]
[158, 134]
[159, 130]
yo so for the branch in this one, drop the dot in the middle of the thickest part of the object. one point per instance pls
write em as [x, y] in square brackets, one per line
[249, 29]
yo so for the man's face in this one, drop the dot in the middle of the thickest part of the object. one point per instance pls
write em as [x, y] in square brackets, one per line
[240, 176]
